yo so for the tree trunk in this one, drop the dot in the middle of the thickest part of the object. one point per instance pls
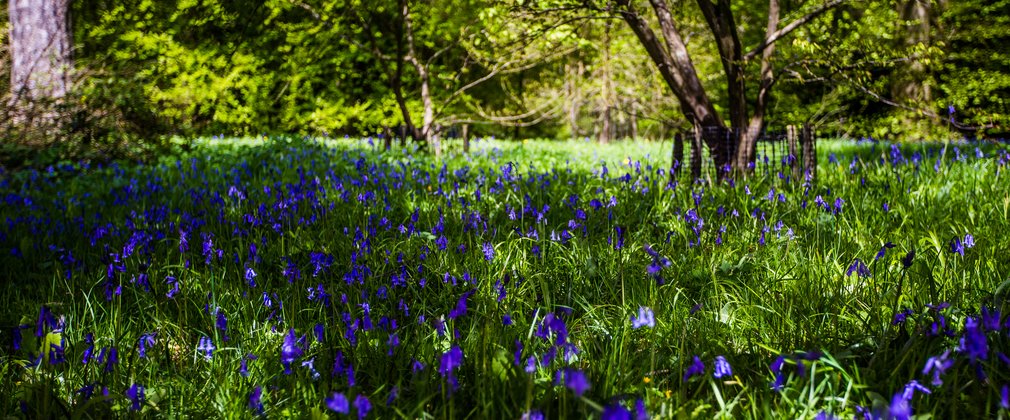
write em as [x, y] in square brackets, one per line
[793, 155]
[677, 161]
[466, 138]
[809, 152]
[40, 57]
[574, 97]
[696, 153]
[912, 77]
[747, 149]
[675, 65]
[426, 132]
[401, 102]
[387, 138]
[634, 122]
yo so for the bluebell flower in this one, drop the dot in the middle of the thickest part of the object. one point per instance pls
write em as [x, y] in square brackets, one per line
[956, 246]
[255, 400]
[618, 241]
[534, 414]
[250, 276]
[171, 281]
[938, 366]
[656, 266]
[911, 388]
[110, 357]
[311, 365]
[1004, 397]
[645, 318]
[858, 267]
[640, 412]
[57, 352]
[694, 309]
[722, 368]
[222, 323]
[338, 402]
[969, 241]
[906, 262]
[615, 411]
[206, 346]
[46, 320]
[883, 250]
[901, 317]
[16, 336]
[973, 341]
[824, 415]
[901, 408]
[488, 251]
[776, 368]
[136, 396]
[290, 351]
[991, 319]
[450, 360]
[89, 339]
[319, 331]
[145, 341]
[574, 380]
[696, 368]
[362, 405]
[243, 368]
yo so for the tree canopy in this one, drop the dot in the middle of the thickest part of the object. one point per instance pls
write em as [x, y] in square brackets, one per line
[554, 68]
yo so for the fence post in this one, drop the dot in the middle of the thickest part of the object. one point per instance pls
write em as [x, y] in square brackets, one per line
[677, 160]
[466, 138]
[809, 151]
[696, 153]
[793, 156]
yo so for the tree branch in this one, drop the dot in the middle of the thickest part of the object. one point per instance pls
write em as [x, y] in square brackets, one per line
[785, 30]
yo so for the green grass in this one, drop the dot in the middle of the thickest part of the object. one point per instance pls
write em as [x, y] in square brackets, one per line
[724, 293]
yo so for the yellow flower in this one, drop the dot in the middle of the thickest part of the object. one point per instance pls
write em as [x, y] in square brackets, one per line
[647, 379]
[668, 393]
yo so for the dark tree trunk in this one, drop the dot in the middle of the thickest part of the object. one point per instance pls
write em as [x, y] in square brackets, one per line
[677, 161]
[40, 56]
[677, 69]
[793, 154]
[674, 63]
[809, 152]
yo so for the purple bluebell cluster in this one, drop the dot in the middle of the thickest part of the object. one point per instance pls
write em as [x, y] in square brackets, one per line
[341, 270]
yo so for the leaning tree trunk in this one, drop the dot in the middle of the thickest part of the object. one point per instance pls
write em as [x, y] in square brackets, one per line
[40, 58]
[674, 63]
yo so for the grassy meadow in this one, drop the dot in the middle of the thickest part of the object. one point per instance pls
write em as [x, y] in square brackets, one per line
[308, 278]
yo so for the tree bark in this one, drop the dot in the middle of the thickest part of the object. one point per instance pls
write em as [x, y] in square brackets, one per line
[40, 55]
[809, 152]
[428, 114]
[757, 119]
[677, 161]
[674, 64]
